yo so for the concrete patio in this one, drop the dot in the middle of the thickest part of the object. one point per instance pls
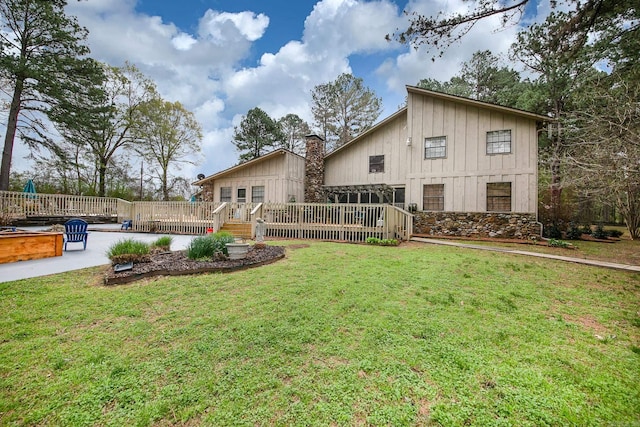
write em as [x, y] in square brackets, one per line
[101, 237]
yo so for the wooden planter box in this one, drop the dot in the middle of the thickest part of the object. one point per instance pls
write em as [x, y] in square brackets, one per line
[24, 245]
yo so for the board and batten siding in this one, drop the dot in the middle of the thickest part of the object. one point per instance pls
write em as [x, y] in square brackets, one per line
[466, 169]
[351, 165]
[282, 177]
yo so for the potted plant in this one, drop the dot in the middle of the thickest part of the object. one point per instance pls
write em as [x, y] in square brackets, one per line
[237, 250]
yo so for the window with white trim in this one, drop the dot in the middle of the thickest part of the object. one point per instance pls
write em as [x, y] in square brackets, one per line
[435, 147]
[499, 142]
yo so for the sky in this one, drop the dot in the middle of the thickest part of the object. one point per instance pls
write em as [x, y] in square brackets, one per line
[221, 58]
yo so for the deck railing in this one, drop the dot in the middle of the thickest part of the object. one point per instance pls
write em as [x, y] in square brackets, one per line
[349, 222]
[19, 205]
[174, 217]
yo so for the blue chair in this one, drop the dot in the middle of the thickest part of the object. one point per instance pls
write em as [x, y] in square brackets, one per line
[126, 224]
[75, 231]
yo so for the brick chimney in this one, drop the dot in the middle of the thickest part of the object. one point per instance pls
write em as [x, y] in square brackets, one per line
[314, 170]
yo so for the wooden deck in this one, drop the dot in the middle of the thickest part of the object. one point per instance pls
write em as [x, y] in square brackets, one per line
[345, 222]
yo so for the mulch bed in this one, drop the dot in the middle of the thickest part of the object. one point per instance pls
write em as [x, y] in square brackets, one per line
[177, 264]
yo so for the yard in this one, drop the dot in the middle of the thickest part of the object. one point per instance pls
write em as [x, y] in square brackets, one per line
[335, 334]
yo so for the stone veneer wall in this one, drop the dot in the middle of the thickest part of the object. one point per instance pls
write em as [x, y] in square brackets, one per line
[314, 170]
[506, 225]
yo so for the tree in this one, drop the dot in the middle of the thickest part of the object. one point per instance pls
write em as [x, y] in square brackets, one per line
[168, 135]
[294, 129]
[604, 159]
[344, 108]
[560, 70]
[257, 133]
[42, 52]
[104, 122]
[484, 78]
[618, 17]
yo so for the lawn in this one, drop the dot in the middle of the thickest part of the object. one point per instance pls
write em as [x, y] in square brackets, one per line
[335, 334]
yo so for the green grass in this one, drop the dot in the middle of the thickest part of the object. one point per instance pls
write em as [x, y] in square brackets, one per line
[335, 334]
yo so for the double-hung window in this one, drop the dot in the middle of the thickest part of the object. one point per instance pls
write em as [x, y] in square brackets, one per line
[435, 148]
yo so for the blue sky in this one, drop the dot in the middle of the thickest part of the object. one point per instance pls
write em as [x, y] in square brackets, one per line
[221, 58]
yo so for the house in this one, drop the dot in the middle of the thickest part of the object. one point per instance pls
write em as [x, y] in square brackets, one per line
[275, 177]
[462, 166]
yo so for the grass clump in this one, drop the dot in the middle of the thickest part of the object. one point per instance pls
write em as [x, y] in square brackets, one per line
[201, 247]
[128, 250]
[204, 247]
[556, 243]
[162, 243]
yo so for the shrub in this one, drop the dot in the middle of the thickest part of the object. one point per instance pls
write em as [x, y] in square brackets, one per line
[553, 232]
[599, 232]
[128, 250]
[381, 242]
[558, 243]
[573, 233]
[586, 229]
[615, 233]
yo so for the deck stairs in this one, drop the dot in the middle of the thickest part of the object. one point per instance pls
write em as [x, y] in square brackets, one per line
[241, 229]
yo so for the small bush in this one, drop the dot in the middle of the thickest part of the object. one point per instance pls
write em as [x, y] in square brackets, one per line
[615, 233]
[573, 233]
[558, 243]
[599, 232]
[553, 232]
[381, 242]
[128, 250]
[201, 247]
[586, 229]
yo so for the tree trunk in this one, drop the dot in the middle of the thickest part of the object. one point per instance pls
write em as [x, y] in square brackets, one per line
[165, 188]
[12, 126]
[102, 173]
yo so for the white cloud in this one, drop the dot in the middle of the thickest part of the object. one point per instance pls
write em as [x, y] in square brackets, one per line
[183, 41]
[224, 26]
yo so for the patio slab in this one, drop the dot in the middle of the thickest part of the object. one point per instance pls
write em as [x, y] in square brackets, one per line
[75, 258]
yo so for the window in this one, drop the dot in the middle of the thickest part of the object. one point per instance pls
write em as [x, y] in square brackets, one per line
[499, 197]
[433, 197]
[242, 195]
[435, 148]
[225, 194]
[499, 142]
[257, 194]
[376, 164]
